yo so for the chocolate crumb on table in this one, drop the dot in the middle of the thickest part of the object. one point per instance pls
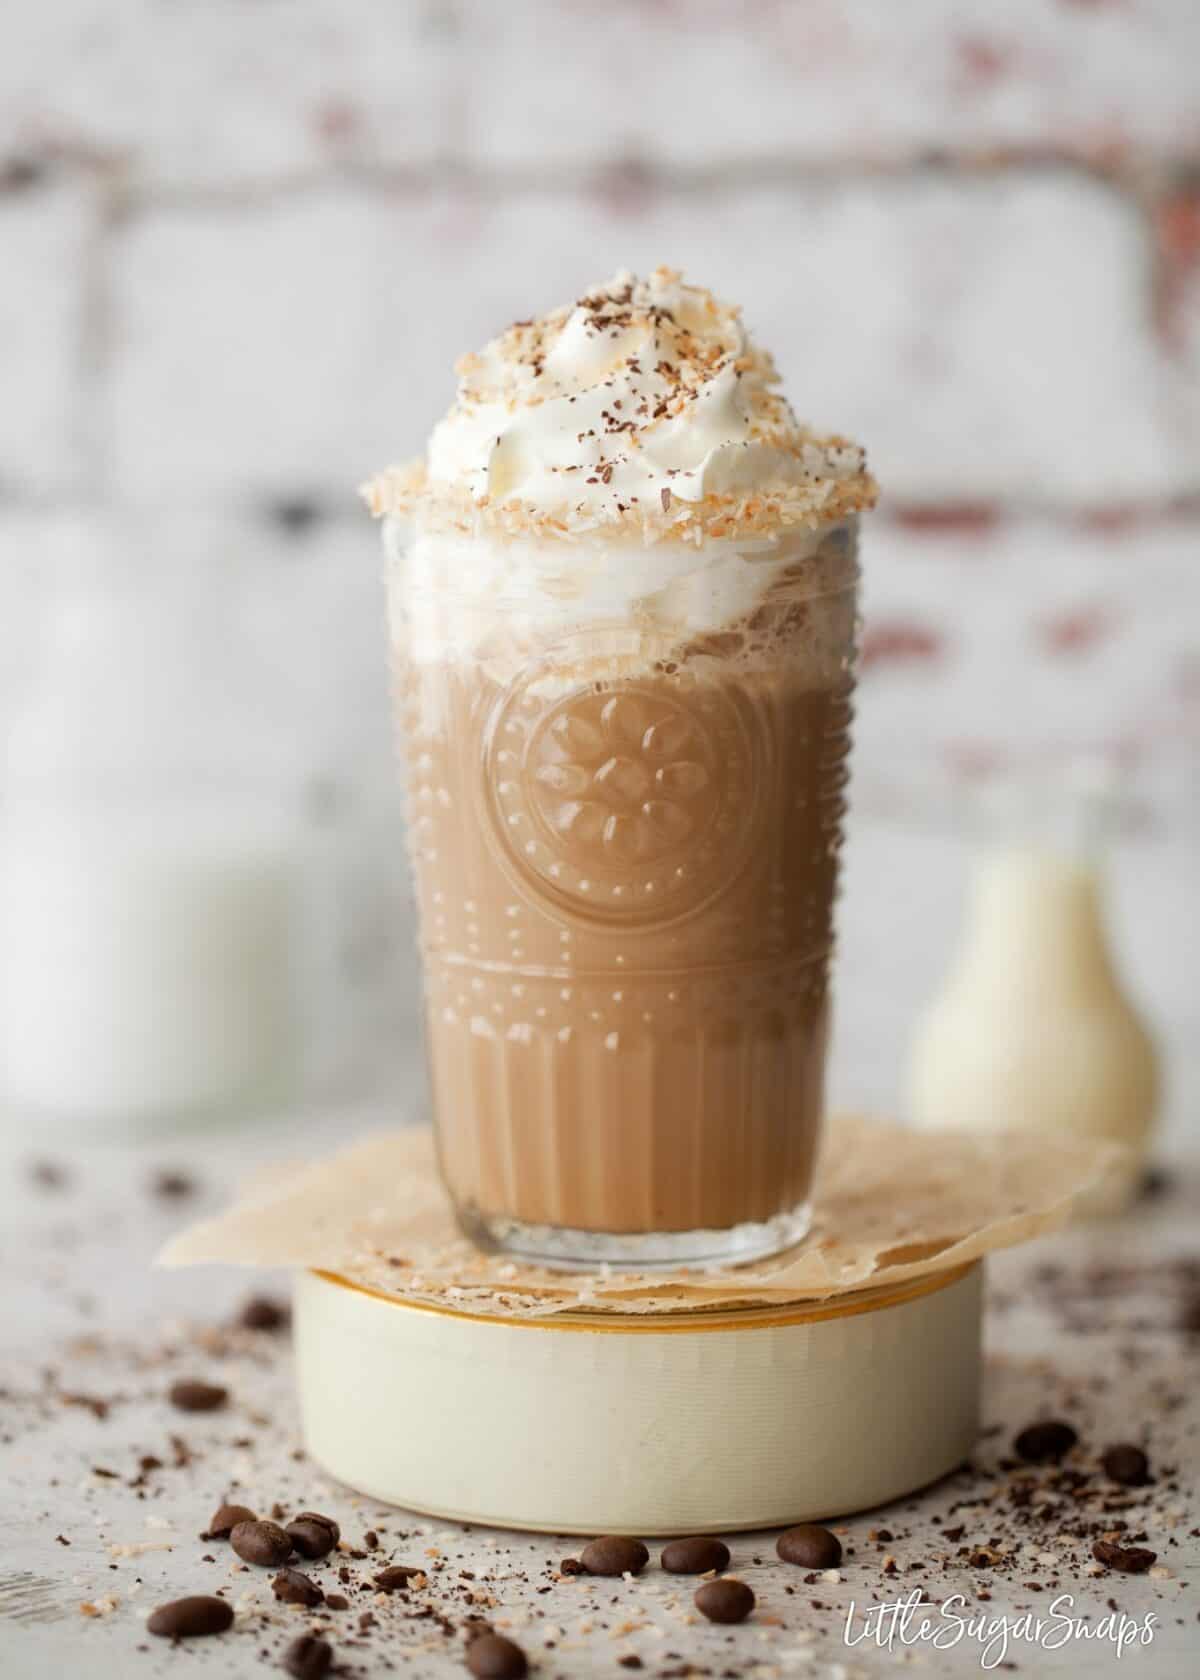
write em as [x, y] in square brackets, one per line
[399, 1577]
[293, 1586]
[1131, 1560]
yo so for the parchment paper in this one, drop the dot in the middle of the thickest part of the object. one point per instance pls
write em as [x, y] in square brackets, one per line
[890, 1204]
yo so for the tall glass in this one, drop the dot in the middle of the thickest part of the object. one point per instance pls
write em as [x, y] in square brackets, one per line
[626, 772]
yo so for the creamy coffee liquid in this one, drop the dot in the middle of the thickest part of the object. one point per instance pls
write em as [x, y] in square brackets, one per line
[625, 841]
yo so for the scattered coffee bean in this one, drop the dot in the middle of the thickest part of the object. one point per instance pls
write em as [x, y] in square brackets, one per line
[613, 1554]
[225, 1519]
[190, 1618]
[308, 1658]
[1133, 1560]
[293, 1586]
[261, 1312]
[397, 1578]
[1126, 1464]
[313, 1535]
[336, 1601]
[810, 1546]
[1041, 1442]
[191, 1396]
[724, 1600]
[492, 1657]
[695, 1556]
[261, 1542]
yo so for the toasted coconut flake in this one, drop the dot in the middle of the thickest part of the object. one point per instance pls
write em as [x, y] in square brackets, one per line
[407, 491]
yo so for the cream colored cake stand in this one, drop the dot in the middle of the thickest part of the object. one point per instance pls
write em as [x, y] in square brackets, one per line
[604, 1422]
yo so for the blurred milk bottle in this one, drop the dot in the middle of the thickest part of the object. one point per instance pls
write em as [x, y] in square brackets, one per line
[149, 861]
[1033, 1029]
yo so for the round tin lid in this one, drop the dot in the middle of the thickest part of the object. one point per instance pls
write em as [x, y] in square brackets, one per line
[609, 1422]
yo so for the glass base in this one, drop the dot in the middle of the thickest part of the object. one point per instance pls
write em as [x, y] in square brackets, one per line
[563, 1249]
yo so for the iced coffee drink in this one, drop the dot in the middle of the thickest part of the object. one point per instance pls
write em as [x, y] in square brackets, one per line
[622, 589]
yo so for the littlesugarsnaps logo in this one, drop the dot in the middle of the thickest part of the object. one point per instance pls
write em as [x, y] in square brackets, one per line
[944, 1626]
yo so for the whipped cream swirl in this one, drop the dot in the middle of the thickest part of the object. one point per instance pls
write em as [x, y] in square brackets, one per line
[642, 392]
[643, 410]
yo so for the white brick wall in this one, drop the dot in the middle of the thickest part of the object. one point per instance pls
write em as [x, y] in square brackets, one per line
[233, 93]
[711, 82]
[242, 241]
[44, 248]
[225, 94]
[1044, 640]
[300, 343]
[973, 333]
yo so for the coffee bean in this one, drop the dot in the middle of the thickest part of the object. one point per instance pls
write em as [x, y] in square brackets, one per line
[695, 1556]
[197, 1396]
[190, 1618]
[293, 1586]
[313, 1535]
[1133, 1560]
[398, 1578]
[1041, 1442]
[492, 1657]
[1126, 1464]
[613, 1554]
[724, 1600]
[262, 1312]
[309, 1658]
[261, 1542]
[336, 1601]
[810, 1546]
[225, 1519]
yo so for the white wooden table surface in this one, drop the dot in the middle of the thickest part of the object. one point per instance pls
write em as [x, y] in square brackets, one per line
[85, 1315]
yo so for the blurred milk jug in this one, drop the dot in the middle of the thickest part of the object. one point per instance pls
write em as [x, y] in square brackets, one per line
[147, 866]
[1033, 1029]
